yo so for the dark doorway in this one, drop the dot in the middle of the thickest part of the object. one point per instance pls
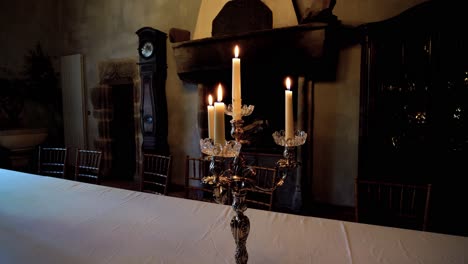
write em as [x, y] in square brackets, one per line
[122, 130]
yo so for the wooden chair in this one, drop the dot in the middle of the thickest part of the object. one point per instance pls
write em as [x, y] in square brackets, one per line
[87, 165]
[156, 173]
[52, 161]
[265, 179]
[195, 170]
[261, 159]
[392, 204]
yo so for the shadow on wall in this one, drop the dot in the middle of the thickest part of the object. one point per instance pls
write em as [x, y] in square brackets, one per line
[32, 97]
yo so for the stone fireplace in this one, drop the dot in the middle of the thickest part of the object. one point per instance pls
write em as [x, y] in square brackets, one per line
[307, 53]
[116, 106]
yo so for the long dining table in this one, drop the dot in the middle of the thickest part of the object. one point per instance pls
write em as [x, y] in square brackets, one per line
[51, 220]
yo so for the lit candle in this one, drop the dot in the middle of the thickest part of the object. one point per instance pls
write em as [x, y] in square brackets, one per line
[236, 86]
[210, 117]
[219, 118]
[289, 121]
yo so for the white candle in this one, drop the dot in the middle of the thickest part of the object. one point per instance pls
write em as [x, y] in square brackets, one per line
[289, 121]
[210, 117]
[219, 118]
[236, 86]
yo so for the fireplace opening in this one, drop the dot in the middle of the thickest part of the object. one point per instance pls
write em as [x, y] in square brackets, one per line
[265, 90]
[116, 103]
[122, 132]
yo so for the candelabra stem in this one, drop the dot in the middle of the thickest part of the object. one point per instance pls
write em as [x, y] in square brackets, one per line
[240, 226]
[237, 130]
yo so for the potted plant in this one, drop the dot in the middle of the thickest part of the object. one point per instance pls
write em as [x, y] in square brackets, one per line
[42, 86]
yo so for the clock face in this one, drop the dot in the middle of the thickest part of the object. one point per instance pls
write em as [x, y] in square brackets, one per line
[147, 49]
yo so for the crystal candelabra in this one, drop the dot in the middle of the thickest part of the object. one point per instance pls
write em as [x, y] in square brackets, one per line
[230, 174]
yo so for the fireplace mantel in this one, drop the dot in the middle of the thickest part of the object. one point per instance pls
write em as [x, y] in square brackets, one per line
[308, 50]
[267, 57]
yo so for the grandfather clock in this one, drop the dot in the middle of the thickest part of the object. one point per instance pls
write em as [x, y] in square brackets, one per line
[153, 72]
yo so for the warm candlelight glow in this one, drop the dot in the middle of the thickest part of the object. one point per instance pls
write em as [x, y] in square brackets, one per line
[236, 86]
[210, 99]
[220, 93]
[289, 119]
[210, 117]
[288, 83]
[219, 118]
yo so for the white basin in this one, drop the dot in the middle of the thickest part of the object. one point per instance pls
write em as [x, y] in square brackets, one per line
[18, 139]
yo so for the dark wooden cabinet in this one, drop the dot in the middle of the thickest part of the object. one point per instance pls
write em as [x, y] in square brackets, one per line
[153, 73]
[414, 106]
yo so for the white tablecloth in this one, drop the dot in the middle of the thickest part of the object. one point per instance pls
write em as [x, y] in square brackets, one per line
[49, 220]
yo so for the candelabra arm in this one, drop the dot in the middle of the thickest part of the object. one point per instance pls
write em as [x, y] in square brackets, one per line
[237, 178]
[218, 179]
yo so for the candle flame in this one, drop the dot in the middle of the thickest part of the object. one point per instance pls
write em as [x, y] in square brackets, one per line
[288, 83]
[236, 51]
[210, 99]
[220, 93]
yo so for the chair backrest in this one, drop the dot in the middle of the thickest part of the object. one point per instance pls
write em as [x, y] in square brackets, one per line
[52, 161]
[392, 204]
[87, 165]
[261, 159]
[155, 173]
[264, 178]
[195, 169]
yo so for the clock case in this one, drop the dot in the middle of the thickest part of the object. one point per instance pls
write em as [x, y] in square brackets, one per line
[153, 74]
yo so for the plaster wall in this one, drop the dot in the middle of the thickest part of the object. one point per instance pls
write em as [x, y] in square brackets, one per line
[103, 30]
[283, 15]
[23, 24]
